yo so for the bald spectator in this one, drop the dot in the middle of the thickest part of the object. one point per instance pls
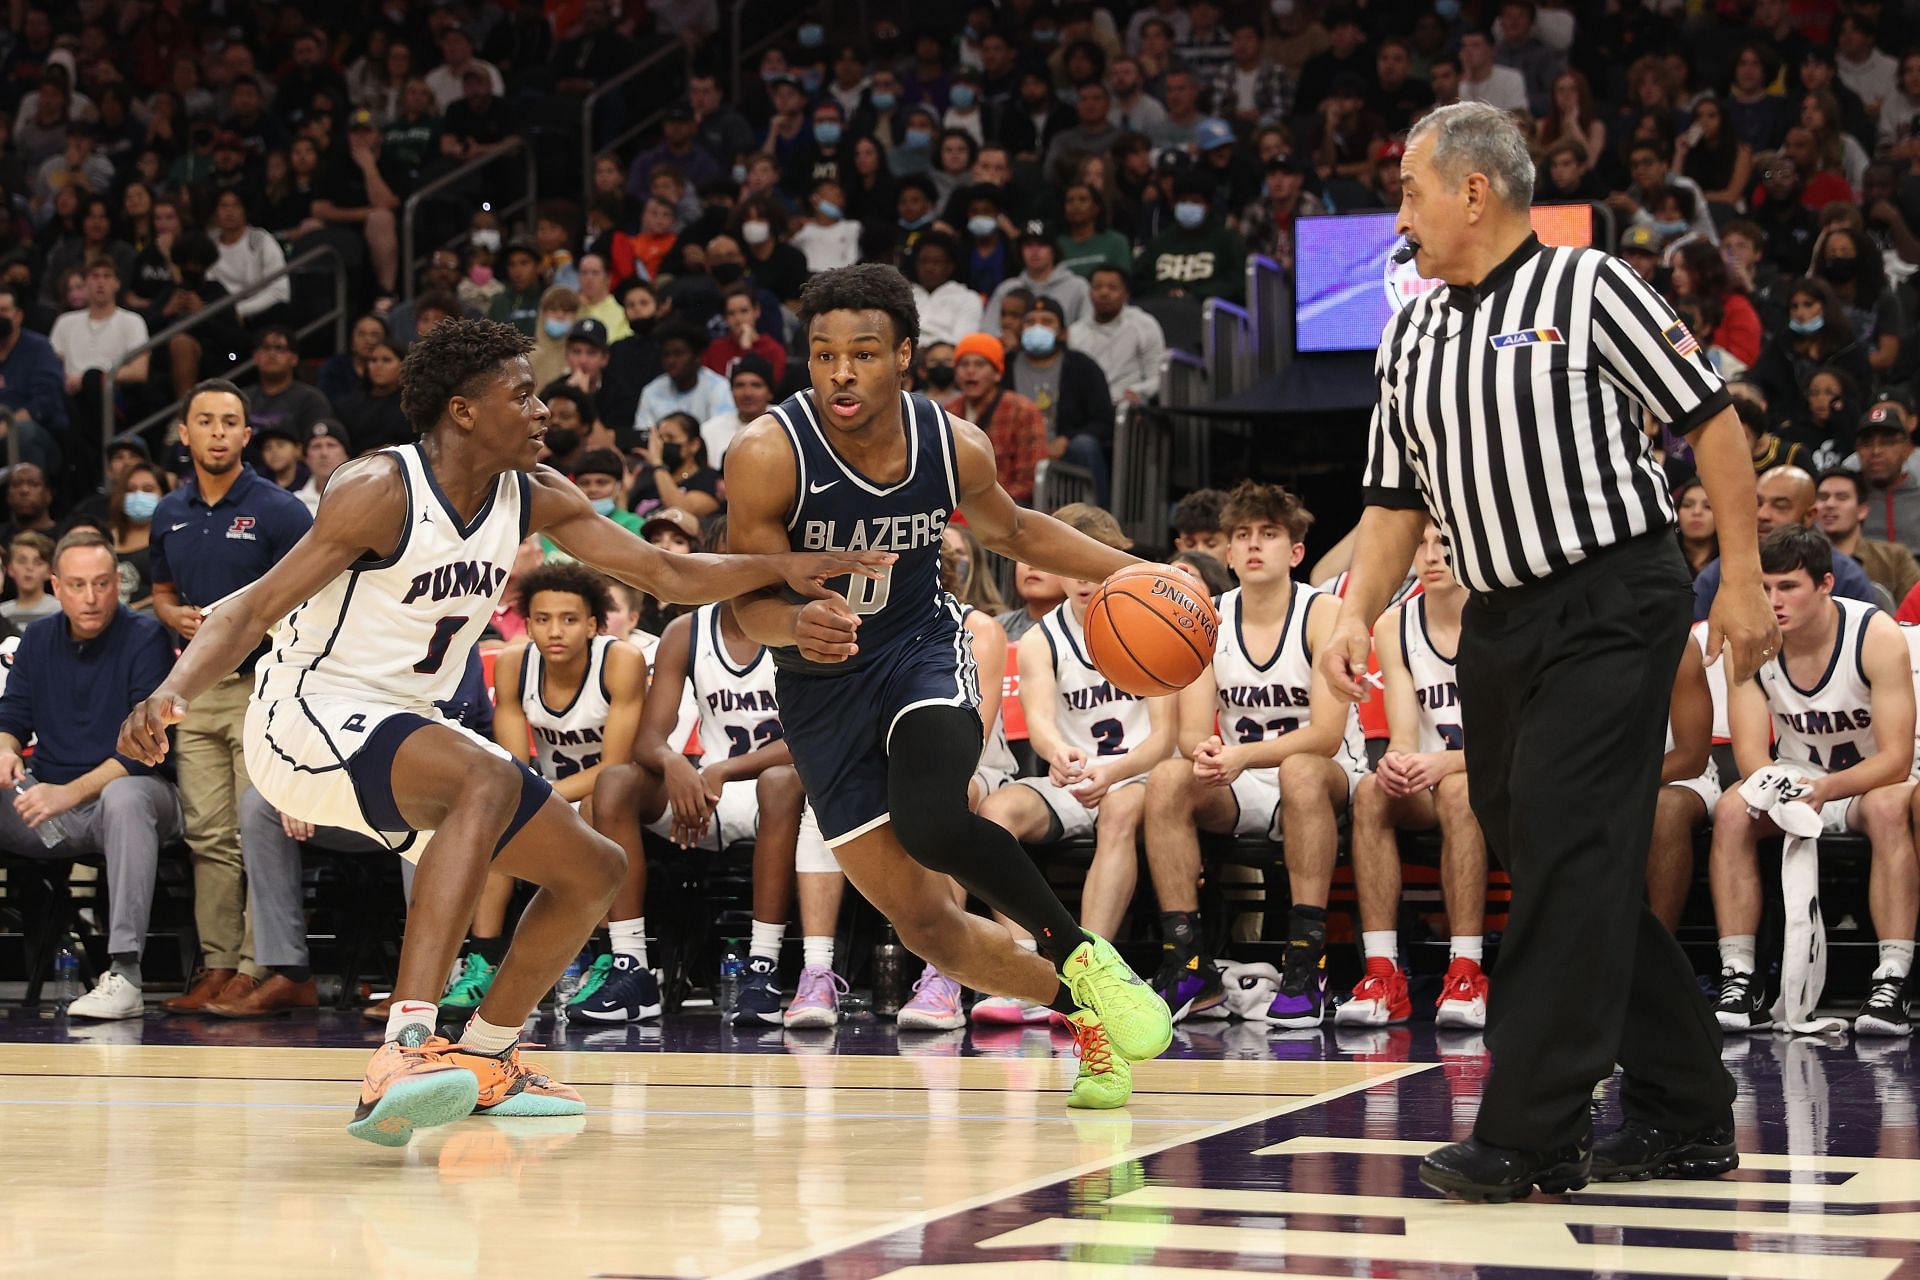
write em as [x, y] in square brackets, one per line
[1786, 496]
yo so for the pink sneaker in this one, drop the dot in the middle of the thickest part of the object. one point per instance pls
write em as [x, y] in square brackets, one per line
[1010, 1011]
[816, 1000]
[935, 1005]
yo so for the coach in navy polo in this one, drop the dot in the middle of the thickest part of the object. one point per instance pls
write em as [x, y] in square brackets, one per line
[219, 532]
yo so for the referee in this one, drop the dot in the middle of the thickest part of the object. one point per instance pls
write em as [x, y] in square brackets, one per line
[1510, 410]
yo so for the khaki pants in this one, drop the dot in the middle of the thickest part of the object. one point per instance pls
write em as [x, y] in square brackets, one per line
[212, 771]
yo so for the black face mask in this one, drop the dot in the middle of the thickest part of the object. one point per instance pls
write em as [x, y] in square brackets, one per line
[726, 273]
[671, 456]
[940, 376]
[1841, 270]
[562, 441]
[6, 328]
[641, 328]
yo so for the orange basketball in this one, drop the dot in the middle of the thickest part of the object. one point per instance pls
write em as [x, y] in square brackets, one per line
[1151, 630]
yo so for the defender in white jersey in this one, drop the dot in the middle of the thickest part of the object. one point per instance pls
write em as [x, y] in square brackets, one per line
[1259, 733]
[1689, 784]
[1420, 784]
[1839, 701]
[382, 601]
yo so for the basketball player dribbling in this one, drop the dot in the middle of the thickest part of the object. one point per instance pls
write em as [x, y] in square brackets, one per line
[877, 690]
[383, 600]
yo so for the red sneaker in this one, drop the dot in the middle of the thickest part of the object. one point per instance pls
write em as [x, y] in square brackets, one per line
[1463, 997]
[1379, 999]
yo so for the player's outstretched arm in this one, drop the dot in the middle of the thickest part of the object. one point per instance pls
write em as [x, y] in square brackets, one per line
[364, 509]
[1031, 537]
[563, 513]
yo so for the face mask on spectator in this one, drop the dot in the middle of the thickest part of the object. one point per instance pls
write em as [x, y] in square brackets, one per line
[883, 101]
[1044, 37]
[914, 224]
[831, 211]
[810, 35]
[981, 226]
[603, 506]
[739, 174]
[671, 456]
[827, 133]
[140, 506]
[1671, 228]
[1038, 341]
[962, 96]
[1190, 215]
[921, 138]
[1840, 270]
[940, 376]
[1447, 10]
[756, 232]
[557, 328]
[1814, 325]
[487, 238]
[811, 79]
[480, 274]
[562, 440]
[726, 273]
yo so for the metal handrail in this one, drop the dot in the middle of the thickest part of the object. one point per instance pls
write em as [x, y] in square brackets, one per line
[517, 142]
[338, 316]
[588, 148]
[1184, 383]
[1226, 345]
[1270, 303]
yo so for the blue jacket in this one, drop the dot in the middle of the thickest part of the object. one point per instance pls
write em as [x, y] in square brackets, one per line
[32, 378]
[72, 696]
[1849, 583]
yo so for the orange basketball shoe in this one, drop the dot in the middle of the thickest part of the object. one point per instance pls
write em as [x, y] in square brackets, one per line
[509, 1087]
[408, 1087]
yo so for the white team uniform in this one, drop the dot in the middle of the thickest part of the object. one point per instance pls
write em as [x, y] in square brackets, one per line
[737, 713]
[649, 644]
[387, 637]
[1830, 726]
[1257, 700]
[997, 765]
[1707, 785]
[1912, 636]
[1090, 714]
[1436, 691]
[566, 741]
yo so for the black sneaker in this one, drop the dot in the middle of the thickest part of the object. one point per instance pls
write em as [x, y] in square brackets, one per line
[1742, 1004]
[1637, 1151]
[1884, 1013]
[1482, 1174]
[758, 1004]
[630, 994]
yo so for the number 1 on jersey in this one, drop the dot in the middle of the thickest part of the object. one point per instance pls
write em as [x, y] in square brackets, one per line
[443, 635]
[869, 595]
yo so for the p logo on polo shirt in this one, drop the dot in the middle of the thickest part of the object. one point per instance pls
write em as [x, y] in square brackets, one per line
[241, 530]
[1524, 338]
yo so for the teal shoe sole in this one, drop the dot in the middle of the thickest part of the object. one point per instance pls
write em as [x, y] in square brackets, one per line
[420, 1103]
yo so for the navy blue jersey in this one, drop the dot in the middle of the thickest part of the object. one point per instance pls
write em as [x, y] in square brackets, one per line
[835, 508]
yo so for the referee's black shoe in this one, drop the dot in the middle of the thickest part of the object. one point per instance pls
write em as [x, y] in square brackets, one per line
[1483, 1174]
[1637, 1151]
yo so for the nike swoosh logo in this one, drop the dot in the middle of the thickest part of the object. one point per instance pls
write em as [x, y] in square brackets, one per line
[821, 488]
[178, 527]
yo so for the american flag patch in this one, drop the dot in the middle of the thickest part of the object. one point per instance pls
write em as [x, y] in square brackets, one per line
[1680, 338]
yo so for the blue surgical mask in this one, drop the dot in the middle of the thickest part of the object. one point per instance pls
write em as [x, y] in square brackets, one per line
[962, 96]
[1190, 215]
[556, 328]
[1038, 341]
[827, 133]
[830, 210]
[811, 79]
[740, 175]
[981, 227]
[914, 224]
[1043, 37]
[1814, 325]
[1671, 229]
[603, 506]
[883, 101]
[921, 138]
[1447, 10]
[810, 35]
[140, 506]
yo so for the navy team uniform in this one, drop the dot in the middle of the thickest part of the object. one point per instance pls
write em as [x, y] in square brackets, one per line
[914, 653]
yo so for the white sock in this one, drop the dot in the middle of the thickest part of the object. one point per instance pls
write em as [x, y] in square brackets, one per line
[1380, 944]
[766, 940]
[819, 951]
[1737, 952]
[1029, 944]
[409, 1013]
[482, 1036]
[1465, 944]
[1896, 958]
[629, 938]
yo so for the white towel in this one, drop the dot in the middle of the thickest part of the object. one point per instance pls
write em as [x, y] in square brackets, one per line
[1775, 792]
[1250, 988]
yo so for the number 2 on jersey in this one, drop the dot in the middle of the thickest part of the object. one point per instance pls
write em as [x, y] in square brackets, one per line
[443, 635]
[741, 741]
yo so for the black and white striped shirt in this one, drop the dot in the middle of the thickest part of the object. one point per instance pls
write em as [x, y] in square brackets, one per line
[1514, 412]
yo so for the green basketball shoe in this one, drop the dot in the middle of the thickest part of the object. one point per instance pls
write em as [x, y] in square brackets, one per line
[1105, 1080]
[1135, 1017]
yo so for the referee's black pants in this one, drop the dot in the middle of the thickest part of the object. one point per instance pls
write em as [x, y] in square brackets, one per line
[1564, 693]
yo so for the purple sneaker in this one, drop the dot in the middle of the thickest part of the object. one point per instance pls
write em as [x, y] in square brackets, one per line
[816, 1000]
[1302, 1002]
[1192, 989]
[935, 1005]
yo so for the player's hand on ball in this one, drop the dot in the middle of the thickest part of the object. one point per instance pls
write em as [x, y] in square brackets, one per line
[827, 630]
[1741, 625]
[807, 570]
[144, 735]
[1343, 663]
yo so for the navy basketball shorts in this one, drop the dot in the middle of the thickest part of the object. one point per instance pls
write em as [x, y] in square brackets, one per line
[838, 726]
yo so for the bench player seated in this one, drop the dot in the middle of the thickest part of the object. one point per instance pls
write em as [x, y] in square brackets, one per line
[1282, 760]
[1420, 784]
[567, 701]
[1689, 784]
[743, 788]
[1840, 700]
[1099, 744]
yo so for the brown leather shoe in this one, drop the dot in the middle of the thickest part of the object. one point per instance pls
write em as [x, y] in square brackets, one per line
[378, 1012]
[277, 995]
[206, 988]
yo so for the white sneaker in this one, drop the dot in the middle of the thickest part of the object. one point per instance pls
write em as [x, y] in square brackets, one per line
[112, 997]
[1009, 1011]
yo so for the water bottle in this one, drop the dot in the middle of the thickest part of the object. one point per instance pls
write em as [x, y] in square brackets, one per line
[565, 988]
[889, 965]
[66, 979]
[52, 831]
[726, 992]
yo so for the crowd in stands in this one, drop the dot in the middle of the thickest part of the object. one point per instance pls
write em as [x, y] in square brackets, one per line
[1064, 185]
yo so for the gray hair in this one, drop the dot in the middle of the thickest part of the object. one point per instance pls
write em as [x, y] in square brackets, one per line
[1475, 137]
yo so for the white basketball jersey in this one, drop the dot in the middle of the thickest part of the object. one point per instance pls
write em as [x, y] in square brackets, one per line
[737, 710]
[689, 719]
[1829, 726]
[1435, 688]
[1090, 713]
[567, 741]
[995, 753]
[398, 631]
[1912, 635]
[1258, 700]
